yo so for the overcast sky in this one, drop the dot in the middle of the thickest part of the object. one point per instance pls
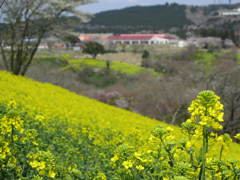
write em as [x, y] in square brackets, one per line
[103, 5]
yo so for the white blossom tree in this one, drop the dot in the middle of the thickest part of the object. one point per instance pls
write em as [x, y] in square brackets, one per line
[24, 23]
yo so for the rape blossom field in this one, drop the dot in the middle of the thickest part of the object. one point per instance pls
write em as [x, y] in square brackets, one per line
[47, 132]
[116, 66]
[120, 67]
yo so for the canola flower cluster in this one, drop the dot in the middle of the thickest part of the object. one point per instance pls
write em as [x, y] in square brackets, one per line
[207, 111]
[19, 138]
[49, 133]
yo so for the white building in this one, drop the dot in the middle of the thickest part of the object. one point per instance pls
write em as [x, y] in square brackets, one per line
[141, 39]
[182, 44]
[234, 12]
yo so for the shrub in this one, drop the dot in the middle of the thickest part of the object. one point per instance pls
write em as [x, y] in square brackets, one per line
[145, 54]
[93, 48]
[99, 78]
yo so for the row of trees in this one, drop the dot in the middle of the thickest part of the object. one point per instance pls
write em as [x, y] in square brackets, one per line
[24, 23]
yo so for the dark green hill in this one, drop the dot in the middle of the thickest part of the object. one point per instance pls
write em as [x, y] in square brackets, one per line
[156, 17]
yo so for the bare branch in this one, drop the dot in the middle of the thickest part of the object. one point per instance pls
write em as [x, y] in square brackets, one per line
[25, 24]
[2, 3]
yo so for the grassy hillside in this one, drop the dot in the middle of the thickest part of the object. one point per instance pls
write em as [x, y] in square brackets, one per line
[47, 132]
[116, 66]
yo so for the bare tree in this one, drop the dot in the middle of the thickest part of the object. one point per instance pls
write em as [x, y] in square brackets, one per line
[25, 23]
[227, 85]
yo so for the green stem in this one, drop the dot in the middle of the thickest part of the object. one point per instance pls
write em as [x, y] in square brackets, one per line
[221, 152]
[202, 175]
[171, 159]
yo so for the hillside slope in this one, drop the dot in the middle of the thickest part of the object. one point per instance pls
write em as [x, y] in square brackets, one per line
[47, 132]
[55, 101]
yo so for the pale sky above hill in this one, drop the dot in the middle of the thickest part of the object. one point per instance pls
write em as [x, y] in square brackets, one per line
[103, 5]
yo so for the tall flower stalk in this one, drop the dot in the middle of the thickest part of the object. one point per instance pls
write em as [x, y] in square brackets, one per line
[206, 115]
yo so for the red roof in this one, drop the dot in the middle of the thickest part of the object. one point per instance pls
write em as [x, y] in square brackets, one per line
[136, 37]
[90, 37]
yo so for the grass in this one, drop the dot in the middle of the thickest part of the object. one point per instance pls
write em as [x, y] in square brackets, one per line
[78, 64]
[207, 59]
[116, 66]
[238, 58]
[51, 58]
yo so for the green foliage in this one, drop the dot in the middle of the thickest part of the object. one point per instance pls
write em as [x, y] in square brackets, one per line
[71, 39]
[145, 54]
[93, 48]
[206, 59]
[100, 79]
[54, 59]
[238, 58]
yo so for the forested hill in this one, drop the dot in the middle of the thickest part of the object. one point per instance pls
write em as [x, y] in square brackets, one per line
[172, 18]
[159, 17]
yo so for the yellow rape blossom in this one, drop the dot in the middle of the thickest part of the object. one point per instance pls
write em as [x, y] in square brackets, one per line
[51, 174]
[140, 167]
[207, 110]
[38, 165]
[127, 164]
[237, 136]
[115, 158]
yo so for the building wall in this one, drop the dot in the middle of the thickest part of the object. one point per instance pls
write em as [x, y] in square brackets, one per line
[153, 41]
[159, 41]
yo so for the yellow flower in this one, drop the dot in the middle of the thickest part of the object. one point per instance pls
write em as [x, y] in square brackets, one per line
[209, 159]
[237, 136]
[101, 176]
[12, 104]
[51, 174]
[149, 151]
[115, 158]
[166, 178]
[140, 167]
[220, 139]
[218, 175]
[189, 144]
[35, 143]
[39, 118]
[137, 155]
[170, 138]
[127, 164]
[169, 129]
[42, 165]
[206, 110]
[34, 164]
